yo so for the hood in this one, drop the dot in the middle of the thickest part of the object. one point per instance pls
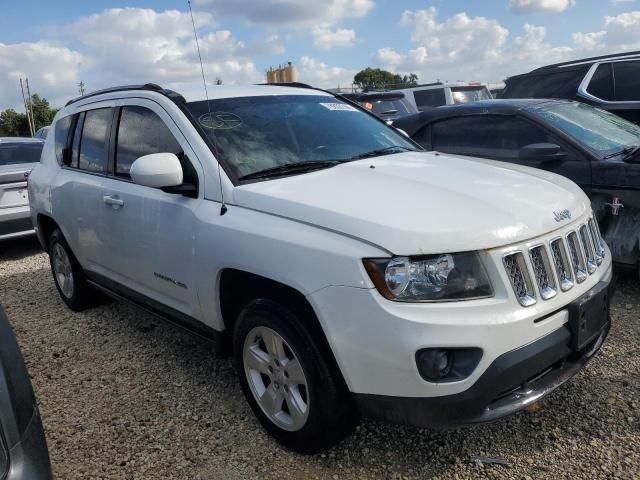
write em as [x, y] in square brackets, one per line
[422, 202]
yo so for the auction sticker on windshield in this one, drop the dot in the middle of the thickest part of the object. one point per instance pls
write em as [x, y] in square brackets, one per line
[220, 120]
[339, 106]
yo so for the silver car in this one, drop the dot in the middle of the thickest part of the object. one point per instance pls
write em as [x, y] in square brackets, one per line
[17, 157]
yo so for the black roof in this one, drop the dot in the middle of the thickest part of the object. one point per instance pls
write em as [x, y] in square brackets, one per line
[589, 60]
[413, 123]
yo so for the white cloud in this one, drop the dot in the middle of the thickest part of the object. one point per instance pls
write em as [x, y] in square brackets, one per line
[468, 48]
[319, 74]
[620, 33]
[290, 12]
[540, 6]
[51, 79]
[324, 38]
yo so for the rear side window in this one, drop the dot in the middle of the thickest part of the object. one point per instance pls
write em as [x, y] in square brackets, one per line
[491, 136]
[17, 153]
[601, 84]
[560, 84]
[627, 80]
[62, 136]
[429, 98]
[95, 140]
[141, 132]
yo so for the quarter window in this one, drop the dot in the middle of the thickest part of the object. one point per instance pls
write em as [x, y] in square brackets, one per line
[499, 137]
[141, 132]
[75, 146]
[95, 140]
[61, 136]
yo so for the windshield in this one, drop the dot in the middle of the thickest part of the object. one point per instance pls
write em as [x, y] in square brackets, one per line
[602, 132]
[15, 153]
[263, 132]
[392, 108]
[470, 94]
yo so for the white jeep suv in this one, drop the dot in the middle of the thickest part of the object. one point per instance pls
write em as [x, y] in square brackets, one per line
[346, 271]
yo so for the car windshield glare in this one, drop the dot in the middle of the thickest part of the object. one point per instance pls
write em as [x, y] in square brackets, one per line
[258, 133]
[602, 132]
[470, 94]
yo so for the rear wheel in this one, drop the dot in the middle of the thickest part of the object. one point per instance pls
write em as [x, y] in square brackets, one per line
[68, 275]
[286, 379]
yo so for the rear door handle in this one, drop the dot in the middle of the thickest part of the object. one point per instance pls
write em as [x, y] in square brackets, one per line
[114, 201]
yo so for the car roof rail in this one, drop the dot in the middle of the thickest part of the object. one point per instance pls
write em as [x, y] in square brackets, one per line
[176, 97]
[288, 84]
[584, 61]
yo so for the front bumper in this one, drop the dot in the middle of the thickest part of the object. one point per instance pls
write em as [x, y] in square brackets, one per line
[511, 383]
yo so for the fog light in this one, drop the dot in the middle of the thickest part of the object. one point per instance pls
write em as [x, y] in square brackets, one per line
[447, 364]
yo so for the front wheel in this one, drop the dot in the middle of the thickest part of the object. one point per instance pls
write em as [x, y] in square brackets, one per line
[290, 386]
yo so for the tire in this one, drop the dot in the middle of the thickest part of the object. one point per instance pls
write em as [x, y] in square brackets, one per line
[316, 408]
[68, 275]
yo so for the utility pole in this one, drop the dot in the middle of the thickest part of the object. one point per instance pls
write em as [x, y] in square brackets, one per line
[26, 108]
[81, 87]
[33, 121]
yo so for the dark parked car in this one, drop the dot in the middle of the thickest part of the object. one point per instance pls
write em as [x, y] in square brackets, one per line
[594, 148]
[386, 105]
[610, 82]
[23, 448]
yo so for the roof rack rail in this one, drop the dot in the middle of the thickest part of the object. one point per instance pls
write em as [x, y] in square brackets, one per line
[147, 86]
[582, 61]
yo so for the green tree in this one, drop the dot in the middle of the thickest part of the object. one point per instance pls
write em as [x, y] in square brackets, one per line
[377, 79]
[14, 124]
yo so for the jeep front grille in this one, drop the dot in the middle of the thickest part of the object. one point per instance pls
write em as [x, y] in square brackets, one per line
[518, 274]
[556, 265]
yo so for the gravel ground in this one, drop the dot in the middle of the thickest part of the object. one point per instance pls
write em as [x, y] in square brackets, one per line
[125, 396]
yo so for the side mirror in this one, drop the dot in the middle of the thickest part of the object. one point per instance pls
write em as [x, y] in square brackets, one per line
[541, 152]
[158, 170]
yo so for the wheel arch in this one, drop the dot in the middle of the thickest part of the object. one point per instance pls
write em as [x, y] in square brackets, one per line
[46, 226]
[238, 287]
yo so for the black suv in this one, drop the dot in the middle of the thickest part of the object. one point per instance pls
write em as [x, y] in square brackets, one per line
[597, 150]
[610, 82]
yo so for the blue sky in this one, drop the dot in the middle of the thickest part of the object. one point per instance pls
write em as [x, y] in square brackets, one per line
[57, 44]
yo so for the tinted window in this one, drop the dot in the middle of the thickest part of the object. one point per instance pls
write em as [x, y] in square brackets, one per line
[12, 154]
[75, 145]
[256, 133]
[469, 94]
[429, 98]
[94, 142]
[61, 136]
[491, 136]
[602, 132]
[556, 84]
[141, 132]
[601, 84]
[627, 80]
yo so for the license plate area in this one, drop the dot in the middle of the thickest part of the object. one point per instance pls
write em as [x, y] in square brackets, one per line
[588, 314]
[13, 196]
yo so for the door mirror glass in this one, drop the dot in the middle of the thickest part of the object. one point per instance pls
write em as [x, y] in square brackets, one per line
[541, 152]
[157, 170]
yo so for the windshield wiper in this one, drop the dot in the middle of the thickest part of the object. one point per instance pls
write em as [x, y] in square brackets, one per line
[627, 152]
[631, 153]
[288, 168]
[383, 151]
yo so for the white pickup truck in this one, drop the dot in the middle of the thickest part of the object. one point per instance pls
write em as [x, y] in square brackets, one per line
[348, 272]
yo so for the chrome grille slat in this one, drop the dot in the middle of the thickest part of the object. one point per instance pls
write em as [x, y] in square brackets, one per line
[588, 248]
[578, 262]
[518, 273]
[561, 263]
[542, 272]
[597, 240]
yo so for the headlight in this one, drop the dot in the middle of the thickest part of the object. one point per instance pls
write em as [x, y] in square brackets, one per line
[451, 276]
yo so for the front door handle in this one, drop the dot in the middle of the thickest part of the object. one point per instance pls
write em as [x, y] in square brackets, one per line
[114, 201]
